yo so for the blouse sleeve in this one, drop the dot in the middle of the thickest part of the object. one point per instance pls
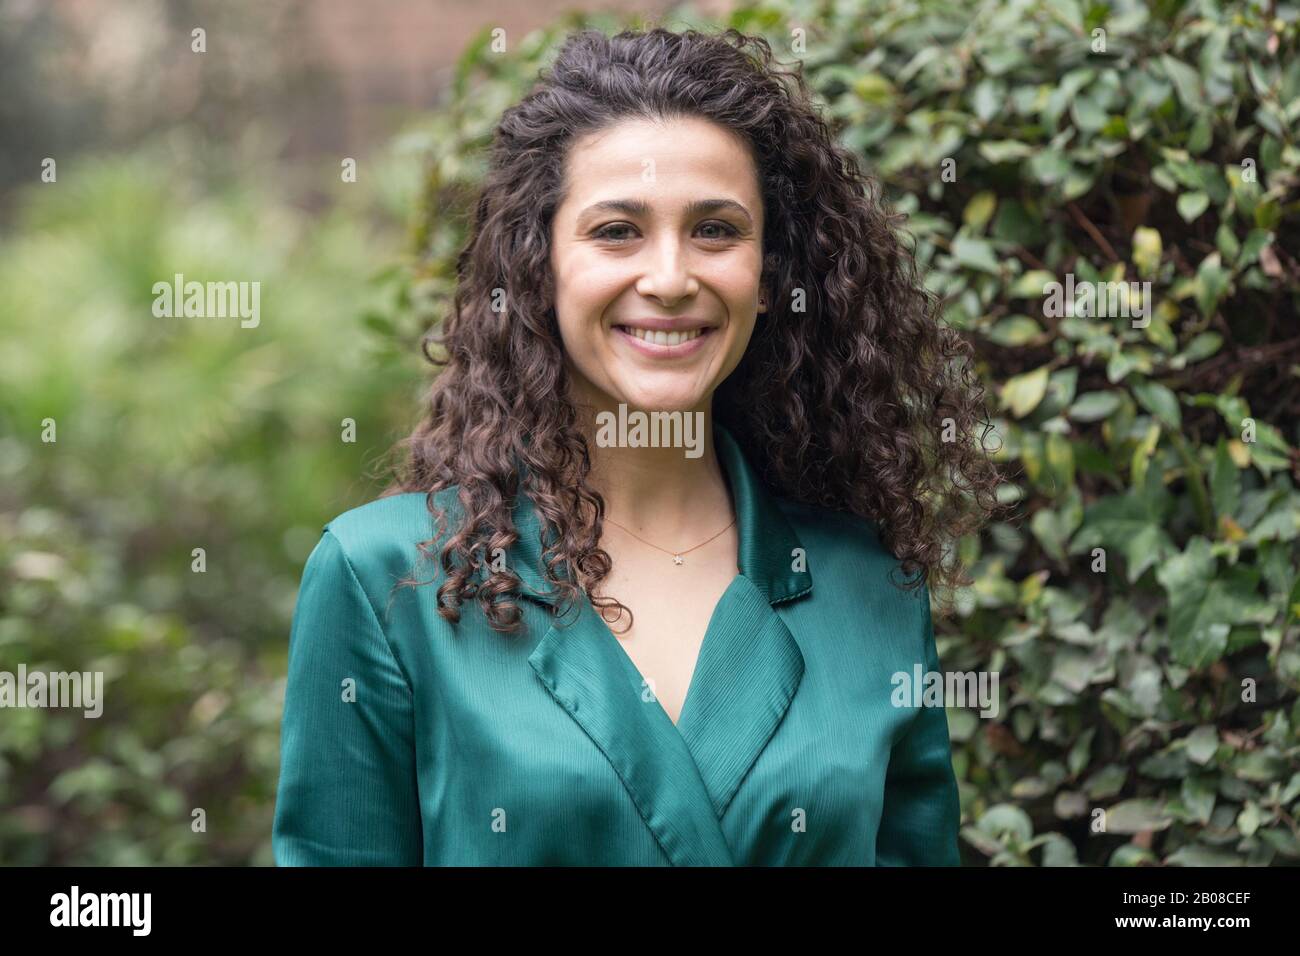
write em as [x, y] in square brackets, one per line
[922, 811]
[348, 793]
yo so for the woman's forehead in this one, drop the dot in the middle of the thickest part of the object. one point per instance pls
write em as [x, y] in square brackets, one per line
[652, 169]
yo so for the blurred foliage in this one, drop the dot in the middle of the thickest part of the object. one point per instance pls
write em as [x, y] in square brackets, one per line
[174, 434]
[1122, 689]
[1163, 150]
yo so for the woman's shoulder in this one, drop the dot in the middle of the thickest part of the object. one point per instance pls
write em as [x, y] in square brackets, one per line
[833, 532]
[843, 546]
[397, 515]
[848, 559]
[382, 537]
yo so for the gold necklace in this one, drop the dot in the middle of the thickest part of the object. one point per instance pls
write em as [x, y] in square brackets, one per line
[677, 555]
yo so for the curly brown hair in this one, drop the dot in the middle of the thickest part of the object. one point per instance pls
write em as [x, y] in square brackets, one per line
[859, 398]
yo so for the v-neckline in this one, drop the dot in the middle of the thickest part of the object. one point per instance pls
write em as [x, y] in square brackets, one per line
[700, 661]
[747, 672]
[729, 486]
[683, 775]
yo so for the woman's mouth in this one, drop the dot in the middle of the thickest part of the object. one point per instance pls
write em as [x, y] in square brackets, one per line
[659, 344]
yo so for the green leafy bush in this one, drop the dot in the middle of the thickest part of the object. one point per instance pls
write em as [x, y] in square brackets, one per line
[171, 434]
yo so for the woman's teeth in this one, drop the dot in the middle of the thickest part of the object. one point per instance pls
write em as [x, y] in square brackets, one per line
[663, 338]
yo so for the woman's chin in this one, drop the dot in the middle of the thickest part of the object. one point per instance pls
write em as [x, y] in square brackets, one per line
[673, 401]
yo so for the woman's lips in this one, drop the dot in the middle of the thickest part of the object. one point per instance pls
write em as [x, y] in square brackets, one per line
[655, 350]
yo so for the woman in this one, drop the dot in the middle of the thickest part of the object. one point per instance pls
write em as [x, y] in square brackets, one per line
[651, 647]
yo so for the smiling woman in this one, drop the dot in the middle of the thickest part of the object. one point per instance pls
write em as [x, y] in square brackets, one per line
[673, 229]
[646, 284]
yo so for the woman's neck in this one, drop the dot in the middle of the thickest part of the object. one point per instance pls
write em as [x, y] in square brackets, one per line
[671, 495]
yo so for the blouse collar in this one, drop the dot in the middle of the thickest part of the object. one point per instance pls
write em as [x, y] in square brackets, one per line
[770, 554]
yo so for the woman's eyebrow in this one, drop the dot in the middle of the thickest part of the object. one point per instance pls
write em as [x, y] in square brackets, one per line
[637, 207]
[702, 207]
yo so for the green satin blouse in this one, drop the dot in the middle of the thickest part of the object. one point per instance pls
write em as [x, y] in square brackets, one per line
[408, 740]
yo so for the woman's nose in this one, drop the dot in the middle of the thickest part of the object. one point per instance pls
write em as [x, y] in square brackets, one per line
[669, 275]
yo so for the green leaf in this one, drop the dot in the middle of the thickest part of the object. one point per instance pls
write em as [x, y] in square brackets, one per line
[1121, 363]
[1201, 136]
[1081, 752]
[1249, 819]
[1006, 820]
[1094, 406]
[981, 841]
[1031, 285]
[1212, 281]
[1225, 240]
[1271, 120]
[1106, 782]
[1126, 524]
[1059, 458]
[1147, 250]
[1022, 393]
[1225, 487]
[1186, 81]
[1050, 166]
[1015, 330]
[1260, 766]
[1256, 240]
[1005, 151]
[1053, 528]
[1203, 605]
[987, 98]
[1144, 550]
[979, 211]
[874, 88]
[1058, 851]
[1202, 744]
[1202, 347]
[1268, 215]
[1270, 451]
[1136, 816]
[1087, 113]
[1191, 205]
[1291, 790]
[975, 254]
[1197, 854]
[1198, 794]
[1130, 854]
[1282, 840]
[1160, 402]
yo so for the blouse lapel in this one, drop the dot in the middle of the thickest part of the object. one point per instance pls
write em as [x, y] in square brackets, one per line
[682, 778]
[593, 679]
[747, 674]
[750, 665]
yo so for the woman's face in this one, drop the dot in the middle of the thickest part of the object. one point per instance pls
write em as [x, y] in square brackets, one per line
[659, 237]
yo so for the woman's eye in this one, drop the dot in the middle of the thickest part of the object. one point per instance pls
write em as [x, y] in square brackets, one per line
[604, 231]
[726, 231]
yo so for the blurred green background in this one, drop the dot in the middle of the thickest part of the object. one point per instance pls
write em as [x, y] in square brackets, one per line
[1026, 139]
